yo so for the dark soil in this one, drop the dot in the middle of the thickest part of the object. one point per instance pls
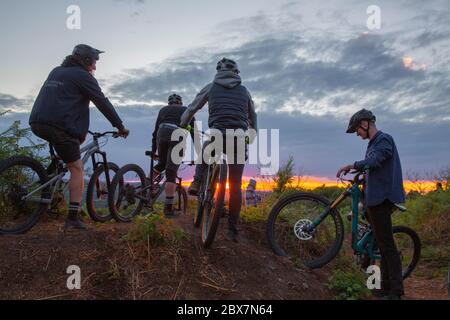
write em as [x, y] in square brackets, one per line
[33, 266]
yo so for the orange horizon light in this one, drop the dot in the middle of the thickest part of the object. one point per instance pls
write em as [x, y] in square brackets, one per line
[314, 182]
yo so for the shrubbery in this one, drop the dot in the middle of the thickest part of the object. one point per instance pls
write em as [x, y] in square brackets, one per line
[154, 229]
[429, 215]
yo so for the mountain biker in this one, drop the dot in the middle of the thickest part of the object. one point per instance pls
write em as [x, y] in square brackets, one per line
[230, 107]
[383, 189]
[168, 121]
[60, 115]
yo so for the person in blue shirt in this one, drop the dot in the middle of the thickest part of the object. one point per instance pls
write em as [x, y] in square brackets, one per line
[383, 189]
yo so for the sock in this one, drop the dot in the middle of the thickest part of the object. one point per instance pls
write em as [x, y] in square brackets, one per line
[169, 203]
[74, 207]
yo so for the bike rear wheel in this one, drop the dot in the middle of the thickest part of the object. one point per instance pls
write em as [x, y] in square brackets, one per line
[287, 235]
[409, 247]
[97, 193]
[213, 204]
[19, 176]
[127, 195]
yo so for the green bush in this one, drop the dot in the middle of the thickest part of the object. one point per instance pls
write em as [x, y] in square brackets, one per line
[155, 229]
[17, 141]
[429, 216]
[349, 285]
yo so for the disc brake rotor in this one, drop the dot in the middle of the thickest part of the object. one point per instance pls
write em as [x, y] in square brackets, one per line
[300, 230]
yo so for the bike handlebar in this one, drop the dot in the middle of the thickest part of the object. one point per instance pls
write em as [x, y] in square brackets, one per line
[356, 178]
[115, 134]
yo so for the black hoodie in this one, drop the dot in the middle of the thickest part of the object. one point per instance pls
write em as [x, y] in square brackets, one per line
[63, 101]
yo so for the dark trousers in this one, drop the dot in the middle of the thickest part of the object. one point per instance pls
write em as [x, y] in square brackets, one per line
[391, 266]
[165, 146]
[235, 172]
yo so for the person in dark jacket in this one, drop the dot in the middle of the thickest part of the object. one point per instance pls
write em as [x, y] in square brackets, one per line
[167, 122]
[252, 199]
[60, 115]
[230, 107]
[383, 189]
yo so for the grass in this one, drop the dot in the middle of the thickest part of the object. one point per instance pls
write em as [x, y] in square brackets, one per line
[429, 216]
[154, 229]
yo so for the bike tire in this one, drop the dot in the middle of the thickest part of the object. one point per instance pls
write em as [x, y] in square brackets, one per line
[212, 211]
[197, 218]
[41, 208]
[336, 218]
[117, 185]
[92, 211]
[416, 247]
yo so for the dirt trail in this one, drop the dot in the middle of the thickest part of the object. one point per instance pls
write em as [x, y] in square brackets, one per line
[33, 266]
[429, 289]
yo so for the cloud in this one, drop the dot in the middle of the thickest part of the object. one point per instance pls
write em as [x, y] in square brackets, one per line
[308, 70]
[14, 104]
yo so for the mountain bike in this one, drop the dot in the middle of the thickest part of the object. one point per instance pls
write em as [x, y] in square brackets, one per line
[27, 189]
[131, 191]
[308, 228]
[211, 198]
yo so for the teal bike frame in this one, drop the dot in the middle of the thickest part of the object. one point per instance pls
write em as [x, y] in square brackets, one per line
[364, 245]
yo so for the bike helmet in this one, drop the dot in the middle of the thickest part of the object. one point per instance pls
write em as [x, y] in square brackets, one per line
[86, 54]
[227, 65]
[359, 116]
[175, 99]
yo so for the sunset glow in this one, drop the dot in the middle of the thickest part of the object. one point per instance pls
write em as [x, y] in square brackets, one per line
[408, 62]
[313, 182]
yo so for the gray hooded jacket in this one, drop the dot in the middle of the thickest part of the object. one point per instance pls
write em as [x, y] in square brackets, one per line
[230, 104]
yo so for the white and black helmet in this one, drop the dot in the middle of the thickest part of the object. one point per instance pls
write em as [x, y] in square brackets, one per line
[175, 99]
[227, 65]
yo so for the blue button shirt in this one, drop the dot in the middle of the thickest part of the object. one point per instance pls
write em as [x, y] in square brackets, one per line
[384, 179]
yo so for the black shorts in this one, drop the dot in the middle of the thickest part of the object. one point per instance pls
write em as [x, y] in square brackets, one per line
[66, 146]
[165, 146]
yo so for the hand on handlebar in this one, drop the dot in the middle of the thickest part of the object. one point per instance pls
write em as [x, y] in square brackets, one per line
[154, 156]
[344, 170]
[123, 133]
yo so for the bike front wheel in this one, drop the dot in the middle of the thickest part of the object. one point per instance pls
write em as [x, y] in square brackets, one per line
[288, 233]
[20, 209]
[97, 193]
[213, 204]
[127, 195]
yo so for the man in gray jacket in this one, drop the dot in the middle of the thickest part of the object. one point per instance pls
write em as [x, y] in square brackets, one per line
[230, 107]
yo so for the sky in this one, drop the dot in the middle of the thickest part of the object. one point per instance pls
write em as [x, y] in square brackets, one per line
[309, 66]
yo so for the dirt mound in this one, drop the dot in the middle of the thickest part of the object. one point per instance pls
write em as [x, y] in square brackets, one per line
[34, 265]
